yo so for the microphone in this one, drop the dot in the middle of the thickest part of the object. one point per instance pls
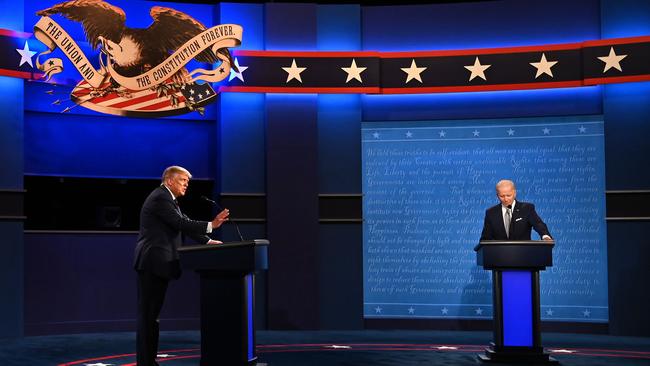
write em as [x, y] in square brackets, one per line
[218, 206]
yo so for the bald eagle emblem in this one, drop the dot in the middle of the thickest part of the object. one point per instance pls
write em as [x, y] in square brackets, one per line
[142, 71]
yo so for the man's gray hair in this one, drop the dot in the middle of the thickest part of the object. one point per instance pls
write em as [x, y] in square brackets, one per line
[173, 170]
[506, 182]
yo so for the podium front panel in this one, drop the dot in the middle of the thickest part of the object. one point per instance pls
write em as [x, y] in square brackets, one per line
[517, 302]
[227, 298]
[515, 267]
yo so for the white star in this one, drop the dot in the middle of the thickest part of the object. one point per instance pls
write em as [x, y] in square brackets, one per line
[549, 312]
[477, 70]
[409, 134]
[543, 66]
[561, 351]
[511, 132]
[191, 91]
[413, 72]
[353, 71]
[612, 60]
[375, 135]
[191, 98]
[444, 347]
[26, 55]
[207, 91]
[183, 87]
[239, 75]
[334, 346]
[200, 96]
[377, 310]
[444, 310]
[442, 133]
[586, 313]
[476, 133]
[411, 310]
[479, 311]
[582, 129]
[293, 72]
[547, 131]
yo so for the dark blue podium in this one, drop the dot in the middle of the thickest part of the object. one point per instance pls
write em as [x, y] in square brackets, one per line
[515, 267]
[227, 274]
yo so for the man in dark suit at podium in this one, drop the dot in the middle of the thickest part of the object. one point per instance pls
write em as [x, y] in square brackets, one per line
[512, 219]
[162, 225]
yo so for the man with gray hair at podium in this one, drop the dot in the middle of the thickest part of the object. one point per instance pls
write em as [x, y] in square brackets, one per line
[512, 219]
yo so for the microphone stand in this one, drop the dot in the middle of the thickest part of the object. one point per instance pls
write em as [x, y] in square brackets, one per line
[215, 204]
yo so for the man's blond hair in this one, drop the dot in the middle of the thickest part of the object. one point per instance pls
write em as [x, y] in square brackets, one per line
[173, 170]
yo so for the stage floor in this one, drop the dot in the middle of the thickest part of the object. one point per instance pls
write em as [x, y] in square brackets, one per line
[321, 348]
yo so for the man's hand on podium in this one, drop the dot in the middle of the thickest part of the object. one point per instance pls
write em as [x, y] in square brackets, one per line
[546, 237]
[211, 241]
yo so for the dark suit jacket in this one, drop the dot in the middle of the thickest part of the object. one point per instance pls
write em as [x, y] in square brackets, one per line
[162, 226]
[524, 218]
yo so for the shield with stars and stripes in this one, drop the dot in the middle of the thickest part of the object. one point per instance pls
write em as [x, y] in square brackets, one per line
[166, 99]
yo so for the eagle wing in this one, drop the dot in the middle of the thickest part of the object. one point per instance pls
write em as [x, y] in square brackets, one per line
[97, 17]
[172, 28]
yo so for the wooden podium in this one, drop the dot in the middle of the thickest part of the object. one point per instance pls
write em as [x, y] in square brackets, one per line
[227, 298]
[515, 269]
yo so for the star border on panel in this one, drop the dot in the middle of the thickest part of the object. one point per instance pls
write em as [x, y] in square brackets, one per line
[26, 55]
[543, 66]
[354, 71]
[477, 70]
[293, 71]
[612, 60]
[413, 72]
[239, 75]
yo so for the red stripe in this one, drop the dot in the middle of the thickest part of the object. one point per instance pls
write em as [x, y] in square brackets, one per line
[604, 355]
[96, 359]
[482, 51]
[105, 98]
[469, 52]
[132, 101]
[306, 53]
[369, 344]
[160, 105]
[21, 74]
[16, 74]
[616, 79]
[615, 41]
[82, 91]
[408, 54]
[471, 88]
[280, 89]
[13, 33]
[84, 88]
[606, 350]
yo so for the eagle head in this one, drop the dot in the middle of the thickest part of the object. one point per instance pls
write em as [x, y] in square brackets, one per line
[126, 53]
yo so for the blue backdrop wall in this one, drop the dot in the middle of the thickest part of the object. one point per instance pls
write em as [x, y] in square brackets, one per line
[301, 153]
[11, 185]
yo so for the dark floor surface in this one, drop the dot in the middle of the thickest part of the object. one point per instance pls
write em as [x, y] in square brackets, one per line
[321, 348]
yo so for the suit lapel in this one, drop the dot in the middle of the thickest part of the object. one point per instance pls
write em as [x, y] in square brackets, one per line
[498, 215]
[516, 214]
[169, 197]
